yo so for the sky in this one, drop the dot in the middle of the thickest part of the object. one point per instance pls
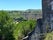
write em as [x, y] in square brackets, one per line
[20, 4]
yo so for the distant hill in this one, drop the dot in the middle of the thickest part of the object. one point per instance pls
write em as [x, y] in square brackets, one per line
[39, 11]
[27, 14]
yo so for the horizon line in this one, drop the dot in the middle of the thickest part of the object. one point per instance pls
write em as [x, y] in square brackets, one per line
[18, 9]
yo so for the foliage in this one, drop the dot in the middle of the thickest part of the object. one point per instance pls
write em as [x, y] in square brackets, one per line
[12, 31]
[49, 36]
[6, 25]
[23, 28]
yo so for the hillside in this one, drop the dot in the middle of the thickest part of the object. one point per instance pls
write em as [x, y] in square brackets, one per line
[27, 14]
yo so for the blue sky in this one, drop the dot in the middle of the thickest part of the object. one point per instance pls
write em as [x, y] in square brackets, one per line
[20, 4]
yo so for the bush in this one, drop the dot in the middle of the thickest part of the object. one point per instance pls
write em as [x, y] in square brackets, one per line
[23, 28]
[6, 25]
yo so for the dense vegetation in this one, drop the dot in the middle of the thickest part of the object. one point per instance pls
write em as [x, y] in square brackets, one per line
[10, 29]
[6, 26]
[14, 27]
[23, 28]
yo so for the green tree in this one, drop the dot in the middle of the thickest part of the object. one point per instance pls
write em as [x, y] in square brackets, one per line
[6, 26]
[23, 28]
